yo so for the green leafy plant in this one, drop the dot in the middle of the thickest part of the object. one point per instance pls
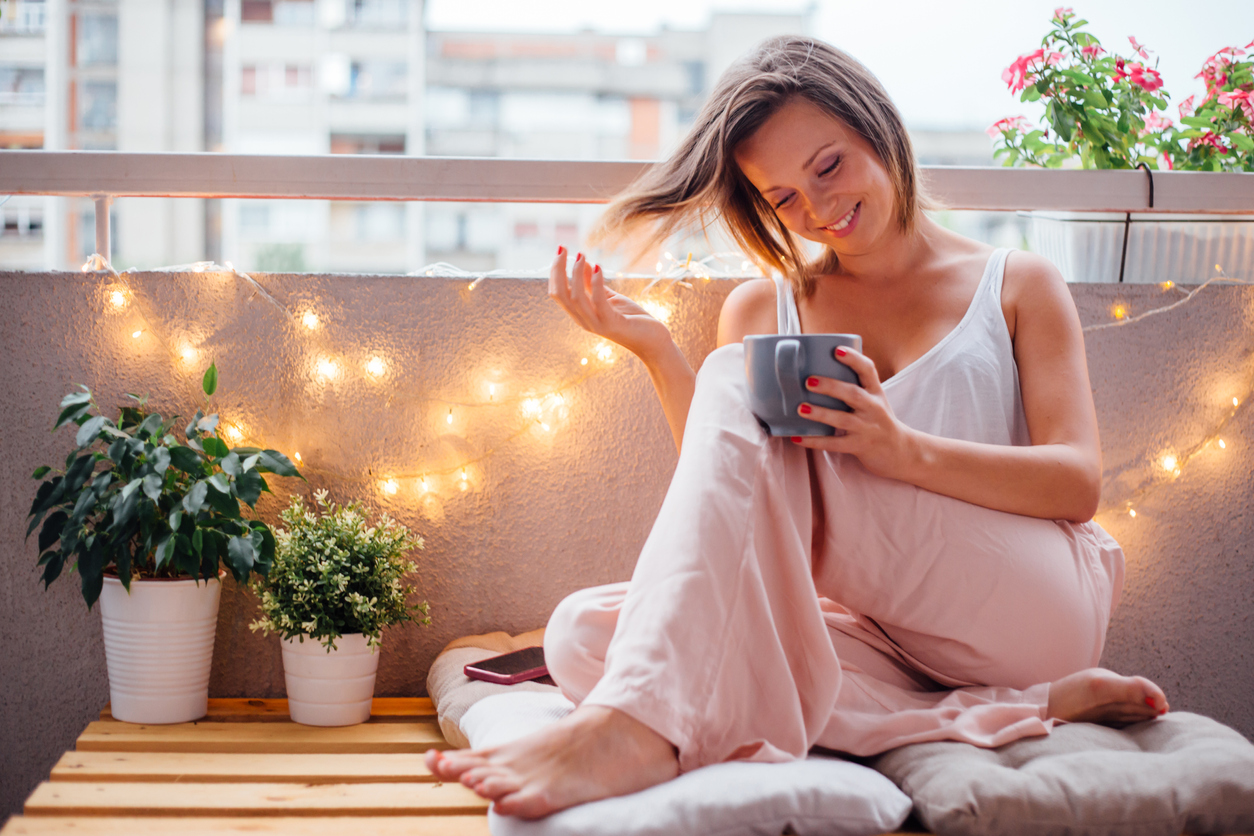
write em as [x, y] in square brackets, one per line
[333, 574]
[134, 501]
[1104, 109]
[1218, 134]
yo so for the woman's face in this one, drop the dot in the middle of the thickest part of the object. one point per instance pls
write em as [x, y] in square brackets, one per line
[825, 181]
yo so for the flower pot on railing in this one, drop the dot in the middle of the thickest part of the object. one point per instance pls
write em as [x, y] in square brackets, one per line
[1185, 249]
[159, 647]
[328, 687]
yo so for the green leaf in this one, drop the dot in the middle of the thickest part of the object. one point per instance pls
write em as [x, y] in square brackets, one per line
[91, 569]
[265, 553]
[224, 504]
[198, 541]
[186, 459]
[250, 462]
[207, 424]
[195, 498]
[51, 532]
[164, 550]
[77, 474]
[71, 413]
[152, 486]
[160, 459]
[1030, 94]
[151, 425]
[40, 472]
[191, 430]
[210, 381]
[1241, 141]
[88, 432]
[1196, 121]
[52, 563]
[272, 461]
[215, 446]
[49, 494]
[240, 557]
[231, 465]
[220, 483]
[124, 508]
[248, 487]
[76, 398]
[86, 501]
[175, 519]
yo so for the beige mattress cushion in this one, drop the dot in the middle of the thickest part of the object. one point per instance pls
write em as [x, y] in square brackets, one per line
[1181, 773]
[453, 692]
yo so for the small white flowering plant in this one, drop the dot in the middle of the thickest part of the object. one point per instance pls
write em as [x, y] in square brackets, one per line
[334, 574]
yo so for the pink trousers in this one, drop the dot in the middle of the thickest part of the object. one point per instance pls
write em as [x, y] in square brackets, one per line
[786, 599]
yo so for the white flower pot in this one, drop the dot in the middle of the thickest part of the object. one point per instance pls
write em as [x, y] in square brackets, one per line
[159, 648]
[329, 688]
[1088, 246]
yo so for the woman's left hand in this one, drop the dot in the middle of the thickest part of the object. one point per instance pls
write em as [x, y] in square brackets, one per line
[871, 432]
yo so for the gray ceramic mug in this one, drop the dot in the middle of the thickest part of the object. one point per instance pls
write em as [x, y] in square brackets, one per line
[777, 367]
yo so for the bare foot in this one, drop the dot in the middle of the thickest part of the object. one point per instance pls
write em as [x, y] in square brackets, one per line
[1097, 695]
[594, 752]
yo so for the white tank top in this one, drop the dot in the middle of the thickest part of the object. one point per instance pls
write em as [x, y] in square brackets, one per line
[967, 385]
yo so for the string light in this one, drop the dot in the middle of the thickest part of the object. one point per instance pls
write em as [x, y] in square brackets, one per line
[491, 391]
[1119, 311]
[1167, 285]
[1169, 463]
[299, 460]
[604, 353]
[328, 369]
[376, 367]
[450, 417]
[657, 310]
[1236, 402]
[1221, 444]
[188, 354]
[234, 433]
[390, 487]
[310, 320]
[118, 299]
[583, 361]
[137, 334]
[1132, 513]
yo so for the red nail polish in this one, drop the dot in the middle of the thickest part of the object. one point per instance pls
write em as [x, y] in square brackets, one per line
[597, 268]
[840, 352]
[812, 381]
[1149, 701]
[578, 256]
[796, 439]
[561, 250]
[804, 409]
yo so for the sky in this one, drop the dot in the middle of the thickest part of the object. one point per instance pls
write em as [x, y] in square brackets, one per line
[941, 62]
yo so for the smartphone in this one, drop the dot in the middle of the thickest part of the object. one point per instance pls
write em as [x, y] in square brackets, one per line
[510, 668]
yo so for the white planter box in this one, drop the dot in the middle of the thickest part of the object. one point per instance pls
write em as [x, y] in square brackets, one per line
[329, 688]
[159, 648]
[1088, 246]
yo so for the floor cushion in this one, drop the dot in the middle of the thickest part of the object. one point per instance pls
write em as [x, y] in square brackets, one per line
[819, 796]
[1180, 773]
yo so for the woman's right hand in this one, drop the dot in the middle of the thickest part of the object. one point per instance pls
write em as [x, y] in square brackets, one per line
[602, 311]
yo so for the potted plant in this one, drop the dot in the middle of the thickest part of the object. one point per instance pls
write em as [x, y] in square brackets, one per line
[335, 583]
[148, 521]
[1108, 111]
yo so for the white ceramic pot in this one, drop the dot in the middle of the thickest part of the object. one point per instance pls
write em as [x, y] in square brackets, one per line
[159, 647]
[329, 688]
[1088, 246]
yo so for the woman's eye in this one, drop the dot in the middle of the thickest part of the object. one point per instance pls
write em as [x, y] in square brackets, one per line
[782, 202]
[831, 167]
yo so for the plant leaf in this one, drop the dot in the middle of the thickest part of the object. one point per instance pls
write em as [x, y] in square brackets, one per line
[160, 460]
[164, 550]
[52, 563]
[77, 398]
[272, 461]
[71, 413]
[151, 425]
[88, 432]
[40, 472]
[240, 557]
[91, 568]
[86, 501]
[175, 519]
[210, 381]
[49, 494]
[195, 498]
[248, 487]
[220, 483]
[231, 465]
[152, 486]
[77, 473]
[186, 459]
[215, 446]
[51, 532]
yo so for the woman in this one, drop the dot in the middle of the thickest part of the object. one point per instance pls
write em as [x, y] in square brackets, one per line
[962, 593]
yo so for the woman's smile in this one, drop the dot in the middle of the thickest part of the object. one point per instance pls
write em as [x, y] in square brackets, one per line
[846, 224]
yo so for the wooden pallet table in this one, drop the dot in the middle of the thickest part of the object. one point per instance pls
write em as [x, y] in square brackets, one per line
[247, 768]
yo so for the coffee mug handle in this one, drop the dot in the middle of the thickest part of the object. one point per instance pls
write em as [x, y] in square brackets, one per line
[788, 372]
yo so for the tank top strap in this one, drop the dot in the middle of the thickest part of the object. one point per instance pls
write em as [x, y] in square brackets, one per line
[997, 268]
[788, 320]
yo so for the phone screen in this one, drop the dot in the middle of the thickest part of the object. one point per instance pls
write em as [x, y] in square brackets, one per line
[510, 665]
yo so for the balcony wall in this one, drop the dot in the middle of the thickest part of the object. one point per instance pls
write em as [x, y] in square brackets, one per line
[545, 513]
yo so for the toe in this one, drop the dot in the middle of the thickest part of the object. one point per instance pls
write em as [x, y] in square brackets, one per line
[452, 765]
[497, 785]
[523, 804]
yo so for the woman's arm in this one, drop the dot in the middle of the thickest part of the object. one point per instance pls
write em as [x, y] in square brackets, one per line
[617, 318]
[1057, 477]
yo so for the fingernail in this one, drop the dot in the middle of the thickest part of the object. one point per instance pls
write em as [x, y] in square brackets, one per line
[812, 382]
[578, 256]
[804, 409]
[796, 439]
[561, 250]
[597, 269]
[1149, 701]
[840, 352]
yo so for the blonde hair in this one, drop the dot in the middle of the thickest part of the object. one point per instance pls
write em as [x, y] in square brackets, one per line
[701, 182]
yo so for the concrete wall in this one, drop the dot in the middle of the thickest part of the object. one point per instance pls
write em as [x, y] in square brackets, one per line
[545, 513]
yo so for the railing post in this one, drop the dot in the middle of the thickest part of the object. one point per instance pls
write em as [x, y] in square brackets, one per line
[103, 202]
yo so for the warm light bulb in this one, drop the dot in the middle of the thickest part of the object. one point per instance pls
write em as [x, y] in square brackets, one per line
[450, 417]
[744, 266]
[604, 353]
[234, 434]
[376, 366]
[544, 426]
[583, 361]
[310, 319]
[1132, 513]
[390, 487]
[658, 268]
[299, 460]
[327, 368]
[556, 400]
[1169, 462]
[657, 310]
[1118, 311]
[1222, 446]
[1235, 403]
[491, 391]
[188, 354]
[531, 408]
[1168, 285]
[118, 299]
[422, 485]
[1218, 269]
[137, 334]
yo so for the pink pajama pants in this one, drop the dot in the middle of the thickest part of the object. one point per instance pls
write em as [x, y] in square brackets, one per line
[787, 599]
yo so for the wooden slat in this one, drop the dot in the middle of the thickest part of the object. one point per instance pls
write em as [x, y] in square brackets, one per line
[277, 738]
[68, 798]
[204, 767]
[166, 826]
[230, 710]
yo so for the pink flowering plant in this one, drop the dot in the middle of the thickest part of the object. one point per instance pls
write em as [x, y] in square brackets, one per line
[1218, 134]
[1103, 108]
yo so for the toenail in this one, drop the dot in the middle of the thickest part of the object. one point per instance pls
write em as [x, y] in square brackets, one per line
[1149, 701]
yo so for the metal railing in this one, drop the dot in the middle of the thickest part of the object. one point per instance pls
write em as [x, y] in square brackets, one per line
[104, 175]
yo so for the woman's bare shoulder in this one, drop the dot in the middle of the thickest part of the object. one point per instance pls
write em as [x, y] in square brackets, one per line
[749, 309]
[1033, 287]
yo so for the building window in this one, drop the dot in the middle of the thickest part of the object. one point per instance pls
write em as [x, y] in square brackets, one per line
[378, 13]
[24, 17]
[21, 86]
[294, 13]
[378, 80]
[276, 81]
[97, 39]
[99, 106]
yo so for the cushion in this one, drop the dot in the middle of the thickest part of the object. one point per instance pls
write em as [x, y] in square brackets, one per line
[1180, 773]
[453, 692]
[819, 796]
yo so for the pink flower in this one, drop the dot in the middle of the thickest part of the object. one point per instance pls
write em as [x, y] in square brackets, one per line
[1186, 107]
[1155, 122]
[1016, 75]
[1144, 77]
[1062, 13]
[1009, 125]
[1140, 48]
[1243, 99]
[1092, 50]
